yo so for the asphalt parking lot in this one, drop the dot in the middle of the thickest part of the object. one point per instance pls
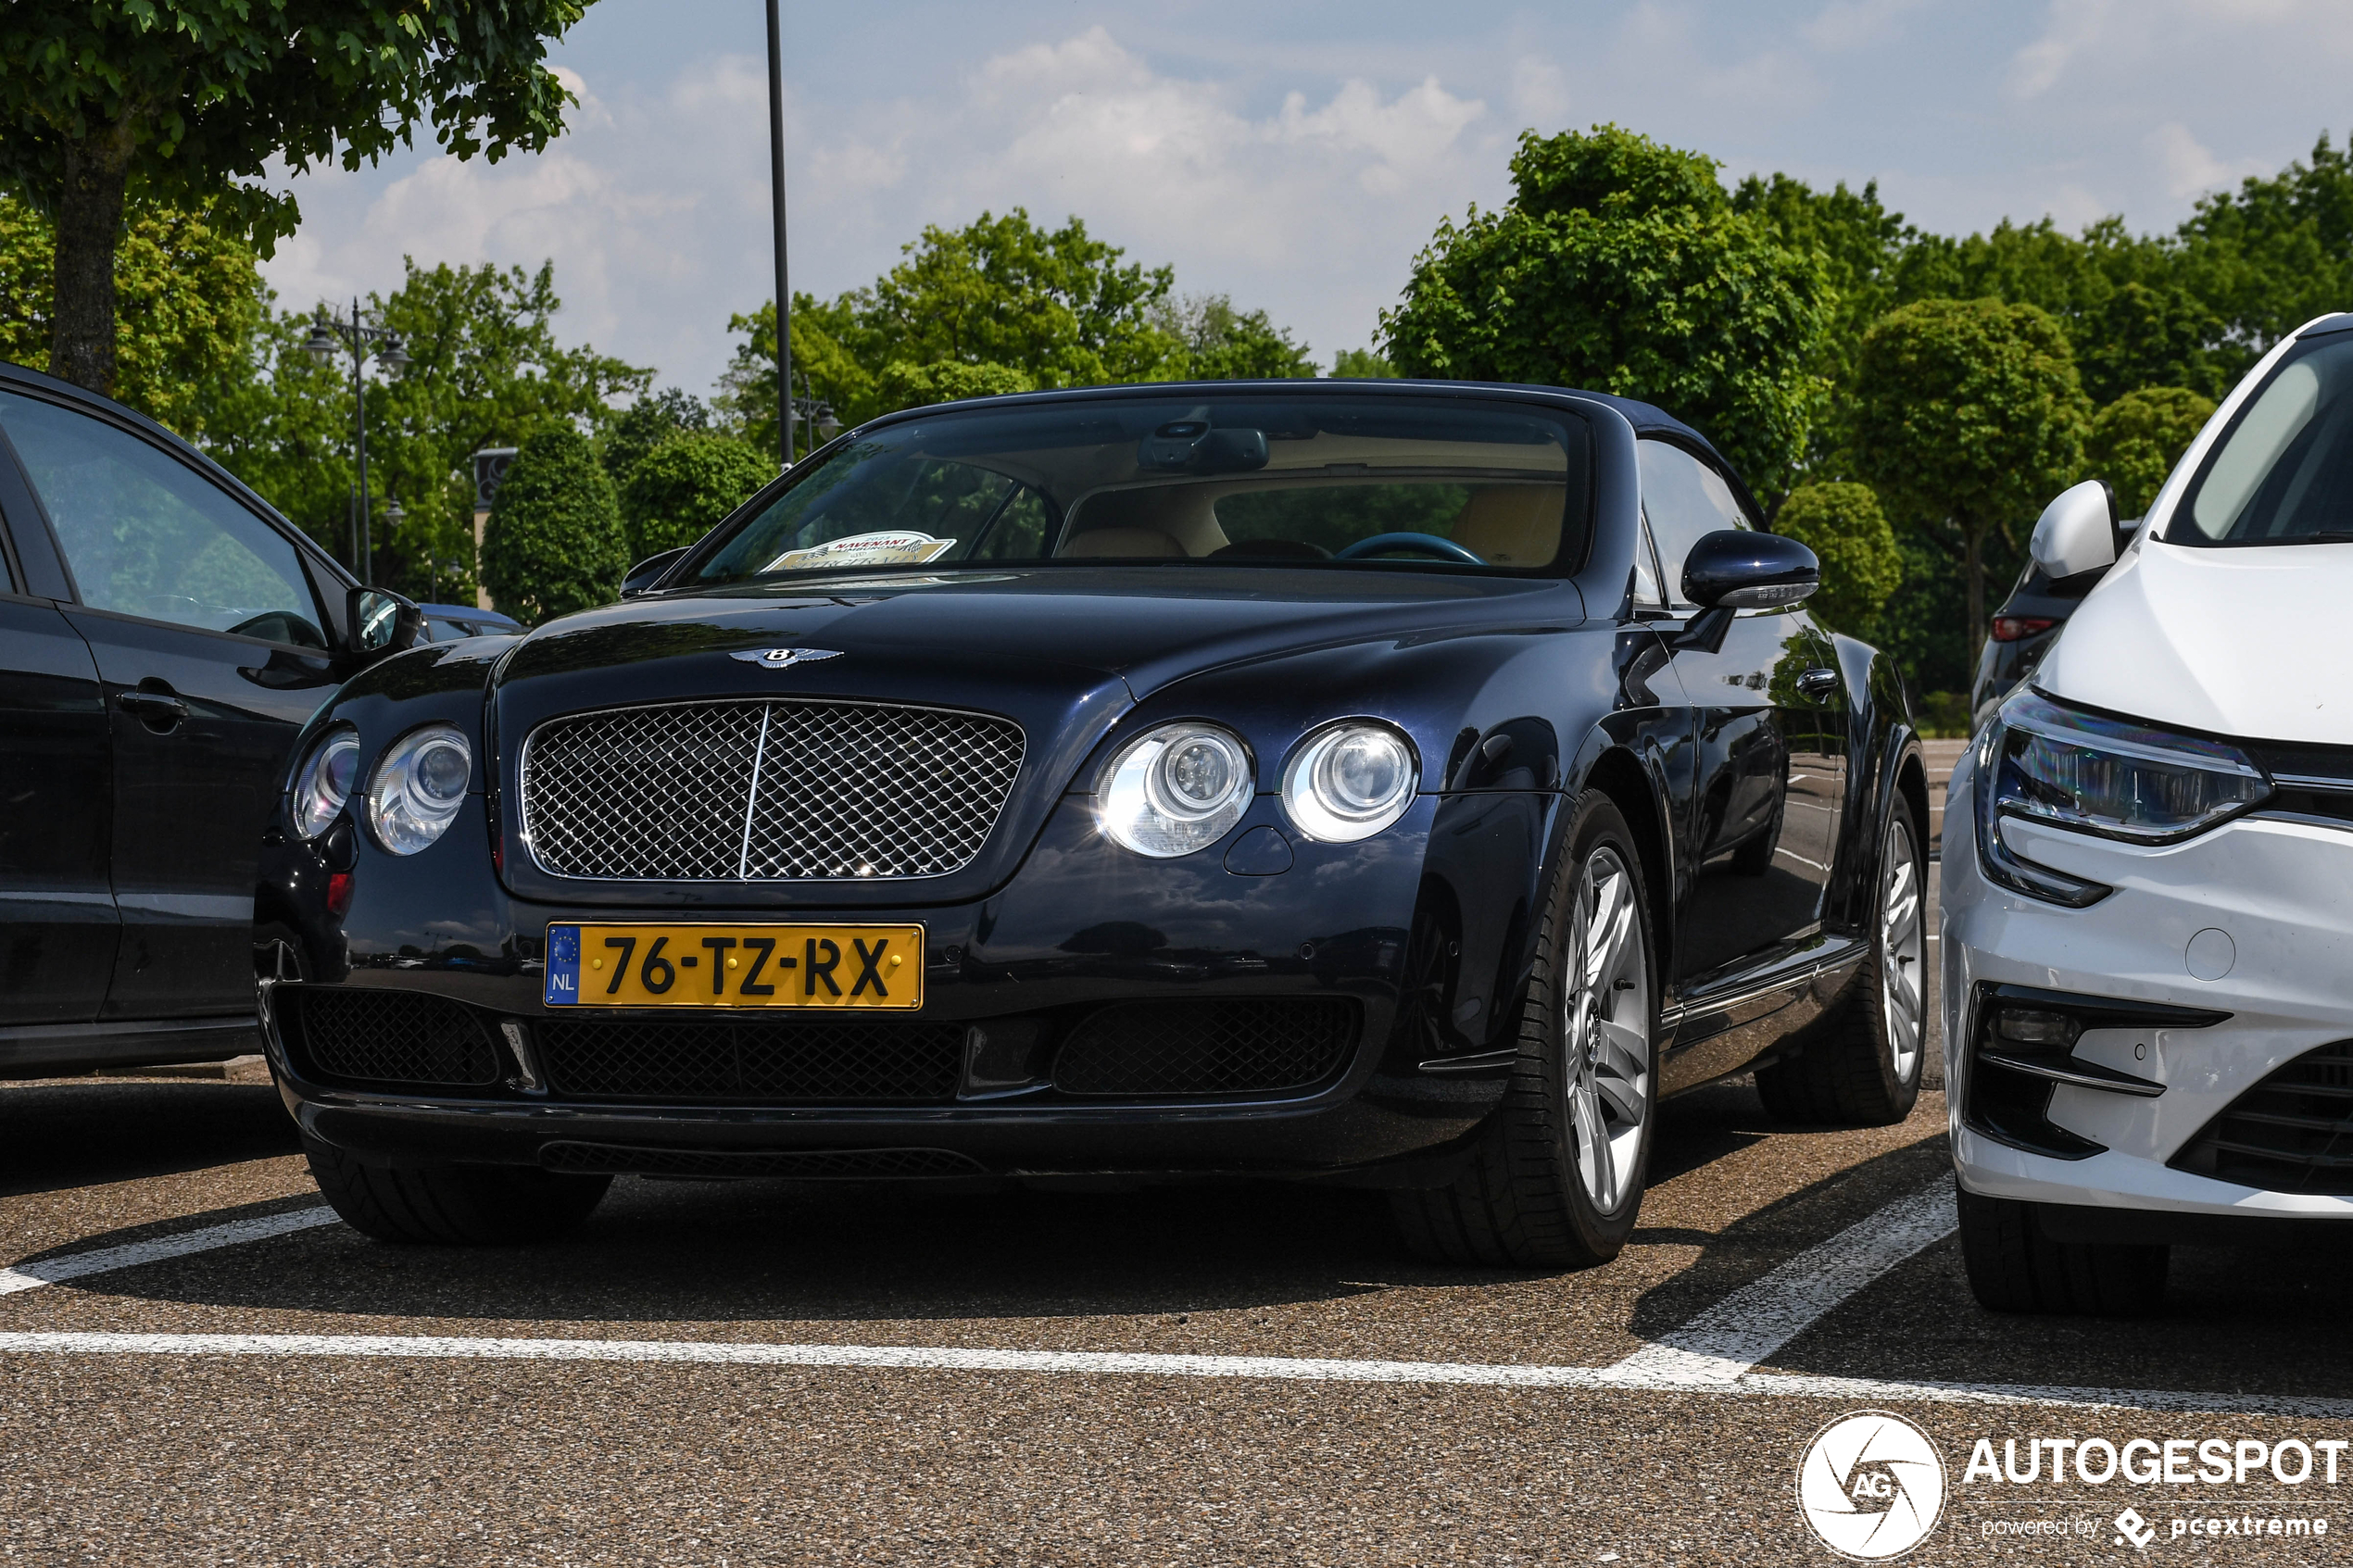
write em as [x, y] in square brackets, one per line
[196, 1367]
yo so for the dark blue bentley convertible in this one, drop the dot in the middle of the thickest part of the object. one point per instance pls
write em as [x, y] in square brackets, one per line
[1398, 784]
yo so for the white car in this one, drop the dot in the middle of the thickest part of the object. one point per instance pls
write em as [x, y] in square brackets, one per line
[2148, 873]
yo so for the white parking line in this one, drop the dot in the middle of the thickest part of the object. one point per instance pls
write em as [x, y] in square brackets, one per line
[923, 1358]
[73, 1265]
[1723, 1342]
[1713, 1354]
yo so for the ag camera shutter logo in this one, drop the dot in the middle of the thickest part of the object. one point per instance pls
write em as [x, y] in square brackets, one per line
[1870, 1485]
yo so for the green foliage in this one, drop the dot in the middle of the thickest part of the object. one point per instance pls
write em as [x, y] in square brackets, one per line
[1842, 523]
[904, 385]
[678, 492]
[1362, 364]
[197, 95]
[646, 425]
[1968, 418]
[2277, 252]
[484, 370]
[2136, 441]
[188, 301]
[1620, 265]
[1924, 625]
[554, 543]
[1222, 344]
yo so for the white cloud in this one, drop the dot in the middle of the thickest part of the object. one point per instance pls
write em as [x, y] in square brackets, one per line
[2190, 170]
[2076, 26]
[1852, 24]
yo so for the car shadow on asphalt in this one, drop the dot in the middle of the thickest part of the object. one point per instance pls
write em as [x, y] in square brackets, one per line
[60, 1134]
[660, 1251]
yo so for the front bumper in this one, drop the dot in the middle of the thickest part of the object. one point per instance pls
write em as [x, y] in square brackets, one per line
[2254, 920]
[1082, 929]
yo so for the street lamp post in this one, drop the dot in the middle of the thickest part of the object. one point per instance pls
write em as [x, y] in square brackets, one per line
[817, 412]
[776, 215]
[364, 341]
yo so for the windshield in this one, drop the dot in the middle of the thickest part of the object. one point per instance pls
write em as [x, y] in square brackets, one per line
[2283, 473]
[1358, 481]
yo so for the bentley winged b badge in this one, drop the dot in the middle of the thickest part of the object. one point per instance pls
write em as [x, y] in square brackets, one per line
[784, 659]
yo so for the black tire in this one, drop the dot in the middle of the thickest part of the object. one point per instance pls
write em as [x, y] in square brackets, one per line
[453, 1205]
[1854, 1072]
[2013, 1267]
[1520, 1201]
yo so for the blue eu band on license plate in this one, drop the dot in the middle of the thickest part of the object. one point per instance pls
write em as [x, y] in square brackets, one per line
[753, 966]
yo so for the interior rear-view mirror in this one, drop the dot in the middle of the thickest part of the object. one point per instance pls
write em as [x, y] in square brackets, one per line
[2077, 531]
[382, 623]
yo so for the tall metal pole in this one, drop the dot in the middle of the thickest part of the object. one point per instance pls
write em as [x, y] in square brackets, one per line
[776, 209]
[359, 393]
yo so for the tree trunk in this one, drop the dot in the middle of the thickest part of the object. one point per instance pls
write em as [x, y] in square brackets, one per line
[1973, 564]
[89, 223]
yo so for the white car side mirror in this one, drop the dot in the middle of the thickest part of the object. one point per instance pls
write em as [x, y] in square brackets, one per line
[2077, 531]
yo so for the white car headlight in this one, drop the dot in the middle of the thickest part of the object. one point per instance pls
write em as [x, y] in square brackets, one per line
[324, 782]
[419, 787]
[2044, 763]
[1350, 781]
[1177, 789]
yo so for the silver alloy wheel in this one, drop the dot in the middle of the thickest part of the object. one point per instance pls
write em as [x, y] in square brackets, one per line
[1899, 948]
[1606, 1012]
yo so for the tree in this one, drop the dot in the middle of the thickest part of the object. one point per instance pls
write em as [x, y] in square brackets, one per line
[2276, 252]
[1362, 364]
[1620, 265]
[646, 425]
[187, 101]
[1968, 417]
[485, 370]
[188, 301]
[2136, 441]
[1842, 523]
[554, 543]
[678, 492]
[1222, 344]
[827, 370]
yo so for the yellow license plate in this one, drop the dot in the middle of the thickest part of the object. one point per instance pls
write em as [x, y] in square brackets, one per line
[735, 966]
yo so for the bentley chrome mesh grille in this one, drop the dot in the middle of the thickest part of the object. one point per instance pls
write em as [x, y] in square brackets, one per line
[765, 791]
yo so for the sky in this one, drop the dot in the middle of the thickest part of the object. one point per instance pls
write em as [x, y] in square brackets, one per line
[1294, 155]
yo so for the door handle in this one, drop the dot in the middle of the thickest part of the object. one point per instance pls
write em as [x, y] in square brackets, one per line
[1817, 681]
[156, 709]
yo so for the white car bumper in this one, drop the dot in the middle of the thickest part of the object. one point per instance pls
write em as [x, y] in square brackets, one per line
[2280, 892]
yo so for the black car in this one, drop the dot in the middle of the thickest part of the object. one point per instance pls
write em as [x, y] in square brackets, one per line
[1397, 783]
[2024, 628]
[448, 623]
[164, 635]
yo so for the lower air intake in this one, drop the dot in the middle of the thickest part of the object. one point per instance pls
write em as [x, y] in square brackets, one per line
[401, 1039]
[807, 1165]
[1151, 1050]
[2291, 1133]
[752, 1063]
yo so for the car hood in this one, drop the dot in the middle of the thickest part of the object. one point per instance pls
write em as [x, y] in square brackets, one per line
[1147, 625]
[2235, 642]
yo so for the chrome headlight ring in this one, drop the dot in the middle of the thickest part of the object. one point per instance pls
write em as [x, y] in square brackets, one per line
[323, 782]
[1349, 780]
[1176, 789]
[419, 787]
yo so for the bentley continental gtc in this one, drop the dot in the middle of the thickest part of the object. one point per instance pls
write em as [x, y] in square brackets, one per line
[1396, 784]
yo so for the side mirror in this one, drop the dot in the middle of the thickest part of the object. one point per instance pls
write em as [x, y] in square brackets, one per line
[647, 572]
[1733, 569]
[382, 623]
[2076, 532]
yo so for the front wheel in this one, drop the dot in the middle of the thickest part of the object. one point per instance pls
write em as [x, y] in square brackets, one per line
[2013, 1267]
[1557, 1177]
[1864, 1070]
[452, 1205]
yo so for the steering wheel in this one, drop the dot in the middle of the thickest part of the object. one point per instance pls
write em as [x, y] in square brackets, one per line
[1423, 544]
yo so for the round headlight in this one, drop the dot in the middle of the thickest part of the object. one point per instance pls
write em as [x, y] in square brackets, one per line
[1177, 789]
[324, 782]
[418, 788]
[1349, 781]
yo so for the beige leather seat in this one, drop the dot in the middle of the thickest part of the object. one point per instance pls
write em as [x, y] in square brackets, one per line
[1120, 541]
[1512, 524]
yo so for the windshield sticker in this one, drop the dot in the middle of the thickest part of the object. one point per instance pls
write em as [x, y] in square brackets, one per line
[892, 547]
